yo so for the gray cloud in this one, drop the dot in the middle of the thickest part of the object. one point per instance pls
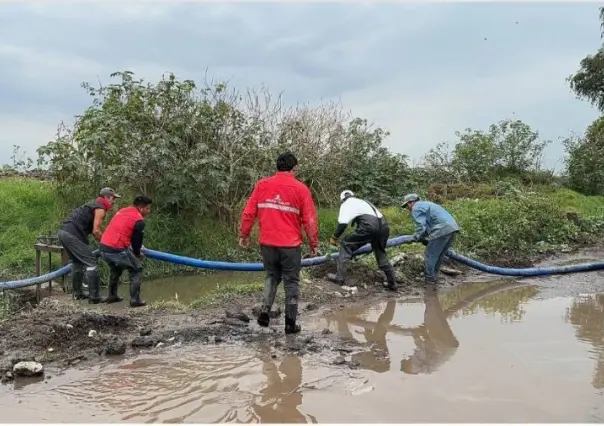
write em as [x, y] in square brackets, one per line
[422, 71]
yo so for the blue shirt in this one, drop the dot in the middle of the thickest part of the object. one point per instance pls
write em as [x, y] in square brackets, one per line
[432, 221]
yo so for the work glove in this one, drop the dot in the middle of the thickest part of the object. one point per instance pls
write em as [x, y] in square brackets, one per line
[333, 241]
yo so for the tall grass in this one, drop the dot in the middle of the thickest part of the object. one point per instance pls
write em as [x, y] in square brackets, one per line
[490, 227]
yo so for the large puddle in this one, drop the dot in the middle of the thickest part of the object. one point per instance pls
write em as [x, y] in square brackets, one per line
[485, 352]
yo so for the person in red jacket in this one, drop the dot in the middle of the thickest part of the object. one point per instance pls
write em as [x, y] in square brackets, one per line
[283, 205]
[121, 246]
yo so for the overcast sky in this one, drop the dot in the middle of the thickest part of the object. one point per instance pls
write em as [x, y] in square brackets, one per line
[420, 71]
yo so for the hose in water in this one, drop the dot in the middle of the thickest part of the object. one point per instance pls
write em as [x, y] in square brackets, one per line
[314, 261]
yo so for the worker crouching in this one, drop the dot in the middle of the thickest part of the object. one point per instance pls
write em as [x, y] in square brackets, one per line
[282, 204]
[73, 235]
[121, 246]
[371, 228]
[435, 228]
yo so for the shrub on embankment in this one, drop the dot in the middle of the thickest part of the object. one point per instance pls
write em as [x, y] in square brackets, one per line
[492, 229]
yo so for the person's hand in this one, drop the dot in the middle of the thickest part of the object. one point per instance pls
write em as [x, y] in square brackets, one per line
[244, 242]
[333, 241]
[314, 251]
[140, 256]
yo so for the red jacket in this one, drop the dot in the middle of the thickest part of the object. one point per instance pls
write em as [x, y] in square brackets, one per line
[118, 233]
[283, 205]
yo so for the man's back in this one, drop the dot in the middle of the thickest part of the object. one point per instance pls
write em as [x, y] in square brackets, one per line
[80, 221]
[283, 204]
[438, 220]
[354, 207]
[119, 231]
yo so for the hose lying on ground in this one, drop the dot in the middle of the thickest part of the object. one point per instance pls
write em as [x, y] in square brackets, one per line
[314, 261]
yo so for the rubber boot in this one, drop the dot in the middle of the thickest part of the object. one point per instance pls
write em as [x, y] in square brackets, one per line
[114, 280]
[135, 292]
[339, 277]
[390, 277]
[264, 318]
[270, 291]
[112, 296]
[94, 286]
[291, 315]
[335, 279]
[76, 283]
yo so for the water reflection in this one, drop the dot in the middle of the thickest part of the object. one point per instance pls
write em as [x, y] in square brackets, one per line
[434, 339]
[378, 357]
[435, 342]
[280, 398]
[587, 315]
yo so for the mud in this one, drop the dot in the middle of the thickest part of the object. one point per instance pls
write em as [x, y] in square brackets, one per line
[61, 332]
[63, 335]
[478, 352]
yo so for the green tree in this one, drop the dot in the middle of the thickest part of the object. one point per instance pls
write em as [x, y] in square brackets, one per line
[588, 81]
[200, 149]
[585, 160]
[509, 147]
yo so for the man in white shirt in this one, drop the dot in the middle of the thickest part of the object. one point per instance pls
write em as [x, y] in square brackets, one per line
[371, 228]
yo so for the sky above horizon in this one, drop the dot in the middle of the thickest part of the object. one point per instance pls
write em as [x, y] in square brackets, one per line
[421, 71]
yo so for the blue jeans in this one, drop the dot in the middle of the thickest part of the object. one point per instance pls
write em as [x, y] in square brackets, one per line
[434, 254]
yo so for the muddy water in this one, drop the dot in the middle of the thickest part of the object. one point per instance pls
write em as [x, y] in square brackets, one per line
[484, 352]
[188, 288]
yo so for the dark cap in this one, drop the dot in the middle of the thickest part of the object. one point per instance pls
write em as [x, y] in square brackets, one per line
[108, 192]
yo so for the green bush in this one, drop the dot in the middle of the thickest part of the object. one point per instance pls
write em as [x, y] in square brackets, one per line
[513, 226]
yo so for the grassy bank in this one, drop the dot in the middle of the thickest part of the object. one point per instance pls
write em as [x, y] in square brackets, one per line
[493, 229]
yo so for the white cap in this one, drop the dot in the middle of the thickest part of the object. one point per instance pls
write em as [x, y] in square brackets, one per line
[345, 194]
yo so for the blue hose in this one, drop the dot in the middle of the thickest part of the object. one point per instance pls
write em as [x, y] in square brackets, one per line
[36, 280]
[257, 266]
[308, 262]
[526, 272]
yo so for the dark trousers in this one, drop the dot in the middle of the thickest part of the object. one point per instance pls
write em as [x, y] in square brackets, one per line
[83, 261]
[282, 264]
[119, 261]
[375, 232]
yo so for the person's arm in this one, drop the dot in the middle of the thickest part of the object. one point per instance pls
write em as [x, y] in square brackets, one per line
[309, 219]
[137, 237]
[99, 215]
[342, 222]
[249, 214]
[419, 217]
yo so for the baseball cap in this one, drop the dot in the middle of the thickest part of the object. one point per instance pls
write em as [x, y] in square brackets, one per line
[409, 198]
[107, 192]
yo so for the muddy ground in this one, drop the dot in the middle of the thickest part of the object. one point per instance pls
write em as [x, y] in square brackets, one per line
[59, 334]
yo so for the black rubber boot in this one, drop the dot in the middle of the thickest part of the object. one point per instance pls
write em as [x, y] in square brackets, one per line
[335, 279]
[135, 294]
[264, 318]
[268, 298]
[112, 296]
[291, 315]
[76, 283]
[94, 286]
[390, 277]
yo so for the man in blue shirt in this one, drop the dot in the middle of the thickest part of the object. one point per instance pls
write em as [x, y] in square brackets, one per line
[435, 228]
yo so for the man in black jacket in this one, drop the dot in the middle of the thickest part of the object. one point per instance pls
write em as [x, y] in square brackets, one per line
[73, 234]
